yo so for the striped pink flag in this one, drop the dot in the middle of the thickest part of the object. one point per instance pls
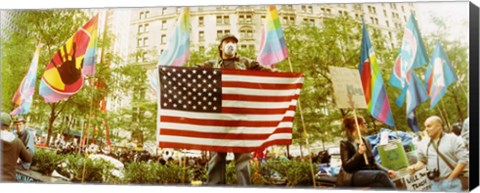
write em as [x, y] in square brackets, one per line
[226, 110]
[273, 48]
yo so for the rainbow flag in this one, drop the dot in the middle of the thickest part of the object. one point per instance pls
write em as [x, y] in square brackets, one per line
[273, 48]
[153, 80]
[64, 76]
[24, 95]
[372, 82]
[178, 46]
[439, 75]
[91, 54]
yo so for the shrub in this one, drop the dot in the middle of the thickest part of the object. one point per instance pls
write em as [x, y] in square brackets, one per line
[156, 173]
[45, 161]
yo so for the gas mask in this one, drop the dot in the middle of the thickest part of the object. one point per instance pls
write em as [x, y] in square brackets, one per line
[230, 49]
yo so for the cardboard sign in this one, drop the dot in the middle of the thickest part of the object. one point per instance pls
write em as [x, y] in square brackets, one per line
[418, 181]
[347, 87]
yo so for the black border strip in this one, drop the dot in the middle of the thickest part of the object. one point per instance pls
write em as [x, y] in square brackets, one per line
[473, 95]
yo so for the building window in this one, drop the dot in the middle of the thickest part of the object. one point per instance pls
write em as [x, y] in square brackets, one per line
[304, 8]
[146, 14]
[144, 57]
[263, 18]
[221, 33]
[145, 41]
[245, 19]
[249, 19]
[163, 39]
[140, 27]
[164, 11]
[388, 24]
[310, 9]
[139, 42]
[326, 10]
[251, 47]
[385, 13]
[246, 34]
[201, 36]
[223, 20]
[164, 24]
[289, 20]
[141, 15]
[390, 34]
[241, 19]
[244, 47]
[393, 5]
[200, 21]
[374, 20]
[312, 21]
[403, 8]
[201, 49]
[145, 27]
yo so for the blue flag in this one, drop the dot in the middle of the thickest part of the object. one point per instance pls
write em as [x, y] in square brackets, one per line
[416, 93]
[439, 75]
[412, 55]
[412, 121]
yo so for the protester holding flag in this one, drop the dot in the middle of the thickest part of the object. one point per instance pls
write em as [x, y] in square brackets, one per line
[355, 172]
[217, 165]
[444, 155]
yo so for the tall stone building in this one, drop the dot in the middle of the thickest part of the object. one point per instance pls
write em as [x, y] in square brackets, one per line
[151, 26]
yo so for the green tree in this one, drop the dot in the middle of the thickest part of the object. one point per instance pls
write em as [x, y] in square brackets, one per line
[52, 28]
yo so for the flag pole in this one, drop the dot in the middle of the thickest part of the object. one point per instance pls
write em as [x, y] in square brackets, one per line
[92, 80]
[304, 131]
[87, 129]
[359, 134]
[446, 115]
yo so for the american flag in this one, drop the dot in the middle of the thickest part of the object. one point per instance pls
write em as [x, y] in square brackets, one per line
[226, 110]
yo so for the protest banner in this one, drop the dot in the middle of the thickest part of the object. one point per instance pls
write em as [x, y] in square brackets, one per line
[347, 88]
[418, 181]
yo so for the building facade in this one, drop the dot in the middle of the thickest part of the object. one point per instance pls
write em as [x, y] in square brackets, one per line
[150, 27]
[141, 34]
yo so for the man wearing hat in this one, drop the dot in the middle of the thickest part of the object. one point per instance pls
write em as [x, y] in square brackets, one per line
[217, 164]
[12, 149]
[26, 137]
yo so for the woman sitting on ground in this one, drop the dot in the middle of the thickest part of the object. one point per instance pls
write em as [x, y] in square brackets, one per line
[356, 173]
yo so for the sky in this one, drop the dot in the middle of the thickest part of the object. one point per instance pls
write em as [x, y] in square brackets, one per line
[454, 14]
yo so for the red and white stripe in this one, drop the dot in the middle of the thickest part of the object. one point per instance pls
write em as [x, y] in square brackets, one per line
[258, 110]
